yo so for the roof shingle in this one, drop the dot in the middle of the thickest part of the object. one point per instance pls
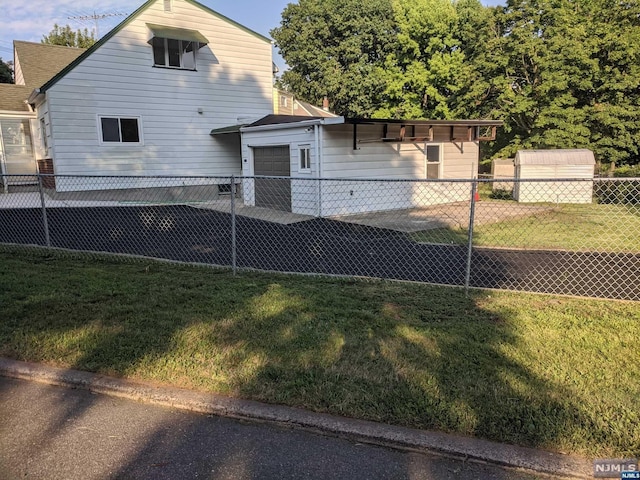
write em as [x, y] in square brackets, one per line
[41, 62]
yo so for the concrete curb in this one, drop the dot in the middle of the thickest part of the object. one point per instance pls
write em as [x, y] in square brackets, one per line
[364, 431]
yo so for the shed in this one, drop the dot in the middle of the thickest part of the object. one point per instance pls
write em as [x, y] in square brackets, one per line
[571, 169]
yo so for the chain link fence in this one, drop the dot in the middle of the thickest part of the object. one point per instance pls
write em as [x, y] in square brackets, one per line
[564, 236]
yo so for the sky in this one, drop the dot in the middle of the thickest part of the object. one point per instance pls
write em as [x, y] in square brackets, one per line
[32, 19]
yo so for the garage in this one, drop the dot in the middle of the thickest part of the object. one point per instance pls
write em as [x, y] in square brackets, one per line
[272, 192]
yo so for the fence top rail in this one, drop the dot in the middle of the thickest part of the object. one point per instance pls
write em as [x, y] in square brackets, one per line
[337, 179]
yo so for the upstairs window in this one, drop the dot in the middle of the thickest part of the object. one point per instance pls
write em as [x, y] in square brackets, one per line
[175, 47]
[174, 53]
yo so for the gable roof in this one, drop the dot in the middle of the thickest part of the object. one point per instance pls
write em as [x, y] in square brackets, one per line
[128, 20]
[40, 62]
[12, 97]
[578, 156]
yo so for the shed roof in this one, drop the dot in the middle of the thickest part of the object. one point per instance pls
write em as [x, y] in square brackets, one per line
[555, 157]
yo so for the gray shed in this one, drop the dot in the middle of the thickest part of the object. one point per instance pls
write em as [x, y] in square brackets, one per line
[574, 166]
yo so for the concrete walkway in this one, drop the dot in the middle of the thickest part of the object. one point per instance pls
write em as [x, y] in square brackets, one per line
[469, 449]
[451, 215]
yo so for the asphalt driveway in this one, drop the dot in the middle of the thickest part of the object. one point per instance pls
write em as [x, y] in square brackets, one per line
[319, 245]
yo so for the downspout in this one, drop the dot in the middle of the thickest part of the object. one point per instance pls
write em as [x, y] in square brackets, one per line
[316, 134]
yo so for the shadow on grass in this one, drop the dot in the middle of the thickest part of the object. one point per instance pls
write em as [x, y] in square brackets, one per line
[412, 355]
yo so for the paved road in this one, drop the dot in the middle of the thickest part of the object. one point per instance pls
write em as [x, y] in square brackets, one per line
[320, 246]
[51, 432]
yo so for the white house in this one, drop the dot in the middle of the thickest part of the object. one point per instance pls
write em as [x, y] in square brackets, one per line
[335, 162]
[142, 100]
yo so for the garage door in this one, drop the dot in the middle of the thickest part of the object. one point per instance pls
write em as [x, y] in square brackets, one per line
[273, 192]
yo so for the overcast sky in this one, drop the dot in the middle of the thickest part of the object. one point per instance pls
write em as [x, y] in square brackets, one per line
[30, 20]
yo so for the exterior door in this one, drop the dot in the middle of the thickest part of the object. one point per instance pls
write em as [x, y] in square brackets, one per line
[273, 192]
[16, 150]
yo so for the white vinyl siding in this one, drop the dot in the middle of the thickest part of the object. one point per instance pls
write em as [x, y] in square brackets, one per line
[234, 79]
[376, 160]
[18, 77]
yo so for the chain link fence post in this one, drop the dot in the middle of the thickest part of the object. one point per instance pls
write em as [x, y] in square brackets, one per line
[472, 215]
[45, 221]
[234, 252]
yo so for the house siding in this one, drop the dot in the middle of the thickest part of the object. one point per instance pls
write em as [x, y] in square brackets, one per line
[392, 162]
[233, 79]
[18, 76]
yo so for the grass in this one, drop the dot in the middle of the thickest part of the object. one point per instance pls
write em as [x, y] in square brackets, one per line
[543, 371]
[591, 227]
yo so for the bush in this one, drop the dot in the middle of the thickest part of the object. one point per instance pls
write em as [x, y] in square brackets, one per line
[617, 193]
[627, 171]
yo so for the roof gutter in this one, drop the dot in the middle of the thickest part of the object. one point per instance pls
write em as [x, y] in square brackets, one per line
[35, 96]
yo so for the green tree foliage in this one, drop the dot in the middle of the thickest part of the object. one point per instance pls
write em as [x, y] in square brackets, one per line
[560, 73]
[67, 37]
[335, 48]
[6, 72]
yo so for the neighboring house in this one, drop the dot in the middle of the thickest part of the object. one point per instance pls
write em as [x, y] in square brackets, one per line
[34, 64]
[285, 103]
[334, 149]
[142, 100]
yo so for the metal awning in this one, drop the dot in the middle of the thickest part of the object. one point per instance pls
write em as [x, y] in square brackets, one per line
[174, 33]
[225, 130]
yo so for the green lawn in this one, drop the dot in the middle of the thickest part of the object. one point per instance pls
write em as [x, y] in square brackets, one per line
[592, 227]
[544, 371]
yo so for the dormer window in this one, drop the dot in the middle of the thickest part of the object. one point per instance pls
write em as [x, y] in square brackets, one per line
[175, 47]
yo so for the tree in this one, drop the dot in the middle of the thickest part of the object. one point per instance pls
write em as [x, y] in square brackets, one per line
[560, 77]
[6, 72]
[67, 37]
[429, 67]
[334, 48]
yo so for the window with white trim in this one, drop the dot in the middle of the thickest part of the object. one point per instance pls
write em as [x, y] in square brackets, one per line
[434, 160]
[304, 152]
[43, 136]
[172, 53]
[120, 130]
